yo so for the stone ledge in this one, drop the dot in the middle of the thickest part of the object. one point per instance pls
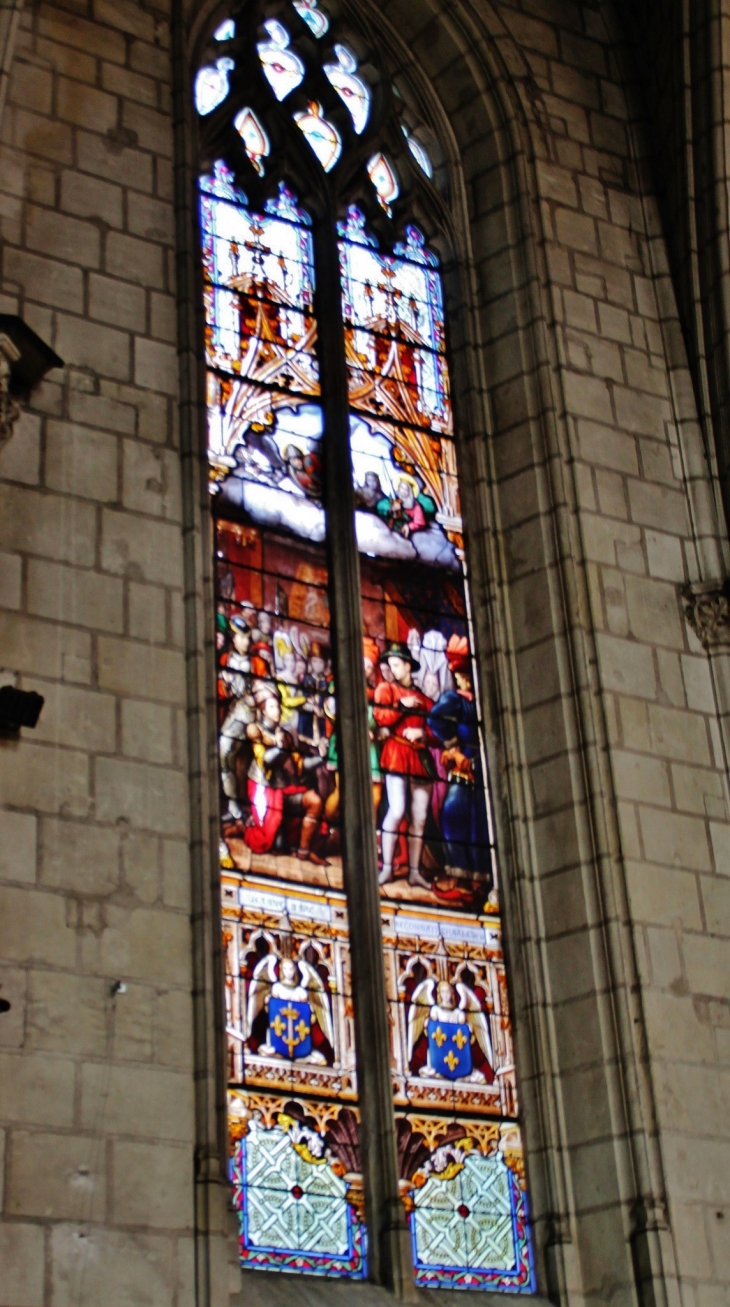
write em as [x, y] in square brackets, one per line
[268, 1289]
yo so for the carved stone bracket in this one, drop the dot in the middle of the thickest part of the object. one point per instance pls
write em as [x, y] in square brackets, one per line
[24, 361]
[707, 610]
[9, 409]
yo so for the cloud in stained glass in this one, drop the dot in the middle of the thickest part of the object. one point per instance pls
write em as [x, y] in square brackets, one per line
[283, 68]
[352, 90]
[226, 31]
[406, 494]
[323, 138]
[264, 453]
[419, 152]
[211, 85]
[316, 20]
[384, 180]
[255, 140]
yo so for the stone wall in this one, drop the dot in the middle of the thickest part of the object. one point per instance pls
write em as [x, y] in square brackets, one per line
[591, 506]
[96, 1090]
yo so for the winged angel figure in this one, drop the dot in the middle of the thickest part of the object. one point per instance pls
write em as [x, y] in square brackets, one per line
[294, 997]
[453, 1020]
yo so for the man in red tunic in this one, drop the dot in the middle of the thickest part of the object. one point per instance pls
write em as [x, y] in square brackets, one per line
[401, 709]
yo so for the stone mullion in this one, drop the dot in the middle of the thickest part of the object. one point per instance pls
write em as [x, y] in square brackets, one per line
[210, 1188]
[389, 1245]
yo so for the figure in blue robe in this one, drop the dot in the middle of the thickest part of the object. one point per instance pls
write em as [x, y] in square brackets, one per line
[454, 722]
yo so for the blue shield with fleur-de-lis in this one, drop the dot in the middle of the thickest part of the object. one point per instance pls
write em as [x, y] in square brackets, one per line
[290, 1027]
[449, 1048]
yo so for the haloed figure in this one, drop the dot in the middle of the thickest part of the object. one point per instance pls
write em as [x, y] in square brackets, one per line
[401, 708]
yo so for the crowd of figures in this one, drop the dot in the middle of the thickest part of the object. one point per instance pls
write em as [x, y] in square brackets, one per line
[426, 759]
[279, 751]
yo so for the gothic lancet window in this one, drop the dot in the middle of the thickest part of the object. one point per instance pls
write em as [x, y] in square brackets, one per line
[358, 868]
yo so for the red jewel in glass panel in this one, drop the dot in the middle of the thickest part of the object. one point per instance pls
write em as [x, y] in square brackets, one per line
[352, 90]
[283, 69]
[211, 86]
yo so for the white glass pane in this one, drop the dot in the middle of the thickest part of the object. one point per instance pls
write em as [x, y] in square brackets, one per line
[226, 31]
[284, 70]
[317, 22]
[419, 152]
[211, 86]
[351, 89]
[323, 138]
[255, 140]
[384, 180]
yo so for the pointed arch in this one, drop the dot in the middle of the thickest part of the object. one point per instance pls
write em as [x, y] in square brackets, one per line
[506, 369]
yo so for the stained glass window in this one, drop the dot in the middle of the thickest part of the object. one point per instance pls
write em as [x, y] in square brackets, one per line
[284, 70]
[316, 20]
[321, 135]
[255, 140]
[277, 428]
[419, 152]
[352, 89]
[291, 1073]
[384, 180]
[211, 85]
[452, 1056]
[226, 31]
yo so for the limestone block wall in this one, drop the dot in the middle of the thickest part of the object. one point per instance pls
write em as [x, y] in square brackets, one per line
[598, 508]
[640, 531]
[591, 506]
[96, 1090]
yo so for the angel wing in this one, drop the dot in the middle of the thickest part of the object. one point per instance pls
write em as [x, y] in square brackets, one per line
[477, 1020]
[421, 1004]
[264, 975]
[318, 999]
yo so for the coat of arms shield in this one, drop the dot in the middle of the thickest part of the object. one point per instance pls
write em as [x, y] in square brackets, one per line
[290, 1027]
[449, 1048]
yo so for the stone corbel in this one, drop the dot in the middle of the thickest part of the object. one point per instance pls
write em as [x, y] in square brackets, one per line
[707, 610]
[24, 361]
[9, 408]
